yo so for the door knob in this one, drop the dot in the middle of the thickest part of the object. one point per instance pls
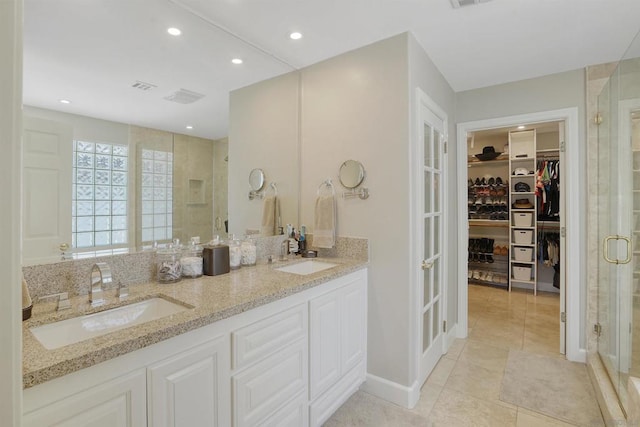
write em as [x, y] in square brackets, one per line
[426, 265]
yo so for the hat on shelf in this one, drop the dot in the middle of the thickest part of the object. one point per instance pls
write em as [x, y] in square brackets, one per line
[520, 171]
[522, 204]
[488, 153]
[522, 187]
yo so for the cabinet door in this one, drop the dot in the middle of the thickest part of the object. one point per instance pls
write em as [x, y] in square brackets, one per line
[191, 389]
[353, 326]
[116, 403]
[262, 389]
[324, 336]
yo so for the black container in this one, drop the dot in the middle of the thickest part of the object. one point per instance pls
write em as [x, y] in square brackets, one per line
[215, 260]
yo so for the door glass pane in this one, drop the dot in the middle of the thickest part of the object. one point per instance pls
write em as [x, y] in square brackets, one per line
[427, 192]
[436, 276]
[427, 287]
[436, 235]
[436, 192]
[428, 239]
[428, 146]
[437, 142]
[426, 330]
[435, 323]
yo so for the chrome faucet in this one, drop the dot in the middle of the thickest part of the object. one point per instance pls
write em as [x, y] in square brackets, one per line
[100, 276]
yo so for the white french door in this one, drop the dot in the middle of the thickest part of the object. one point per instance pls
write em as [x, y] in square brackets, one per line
[429, 228]
[46, 177]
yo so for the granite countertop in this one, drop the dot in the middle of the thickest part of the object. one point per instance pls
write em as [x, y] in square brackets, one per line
[213, 298]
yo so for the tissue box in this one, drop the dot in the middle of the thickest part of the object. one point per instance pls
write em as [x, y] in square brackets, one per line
[522, 254]
[523, 237]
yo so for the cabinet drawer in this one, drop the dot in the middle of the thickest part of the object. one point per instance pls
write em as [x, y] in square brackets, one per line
[293, 414]
[263, 388]
[260, 339]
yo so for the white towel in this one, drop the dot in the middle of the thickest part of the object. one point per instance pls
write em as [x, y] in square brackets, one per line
[26, 298]
[270, 216]
[324, 230]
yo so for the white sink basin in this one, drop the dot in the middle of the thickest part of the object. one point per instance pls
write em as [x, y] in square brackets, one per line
[306, 267]
[70, 331]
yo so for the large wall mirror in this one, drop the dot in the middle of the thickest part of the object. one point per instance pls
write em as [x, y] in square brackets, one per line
[142, 144]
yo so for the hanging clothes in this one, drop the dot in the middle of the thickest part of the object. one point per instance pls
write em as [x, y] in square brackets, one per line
[548, 190]
[549, 253]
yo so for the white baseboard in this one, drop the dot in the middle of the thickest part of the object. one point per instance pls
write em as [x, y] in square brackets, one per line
[401, 395]
[578, 356]
[452, 335]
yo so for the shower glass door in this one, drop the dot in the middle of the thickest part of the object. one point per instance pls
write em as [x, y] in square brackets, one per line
[618, 202]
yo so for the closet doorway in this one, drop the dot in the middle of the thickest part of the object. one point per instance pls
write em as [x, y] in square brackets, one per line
[512, 188]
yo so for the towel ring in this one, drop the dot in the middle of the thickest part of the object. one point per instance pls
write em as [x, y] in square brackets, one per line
[328, 185]
[274, 187]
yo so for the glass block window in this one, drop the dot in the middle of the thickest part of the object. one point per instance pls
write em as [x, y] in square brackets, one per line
[99, 205]
[157, 195]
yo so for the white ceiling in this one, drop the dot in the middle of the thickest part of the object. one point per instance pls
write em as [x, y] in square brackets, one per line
[92, 51]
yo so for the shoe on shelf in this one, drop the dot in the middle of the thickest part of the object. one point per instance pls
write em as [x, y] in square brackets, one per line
[489, 250]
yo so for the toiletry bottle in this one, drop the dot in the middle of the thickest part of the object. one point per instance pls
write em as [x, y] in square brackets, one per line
[293, 243]
[302, 241]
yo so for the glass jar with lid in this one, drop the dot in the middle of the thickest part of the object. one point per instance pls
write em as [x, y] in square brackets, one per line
[249, 251]
[235, 253]
[192, 259]
[168, 264]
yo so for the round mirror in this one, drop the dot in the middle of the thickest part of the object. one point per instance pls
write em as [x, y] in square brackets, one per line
[351, 174]
[256, 179]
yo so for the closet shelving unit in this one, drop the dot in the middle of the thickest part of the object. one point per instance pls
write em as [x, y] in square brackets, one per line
[522, 232]
[500, 266]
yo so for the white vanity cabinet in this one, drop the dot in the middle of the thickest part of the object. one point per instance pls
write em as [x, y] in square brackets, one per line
[120, 402]
[291, 362]
[191, 388]
[338, 340]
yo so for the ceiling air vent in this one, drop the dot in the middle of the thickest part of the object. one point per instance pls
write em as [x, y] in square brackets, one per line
[143, 86]
[184, 96]
[461, 3]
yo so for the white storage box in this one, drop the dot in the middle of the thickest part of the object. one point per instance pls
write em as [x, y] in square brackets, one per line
[522, 254]
[523, 237]
[522, 219]
[522, 272]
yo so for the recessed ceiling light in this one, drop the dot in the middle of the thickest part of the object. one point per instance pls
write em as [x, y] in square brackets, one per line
[189, 127]
[236, 61]
[174, 31]
[65, 101]
[521, 127]
[295, 35]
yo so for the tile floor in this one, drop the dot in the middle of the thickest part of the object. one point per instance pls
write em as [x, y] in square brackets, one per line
[464, 389]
